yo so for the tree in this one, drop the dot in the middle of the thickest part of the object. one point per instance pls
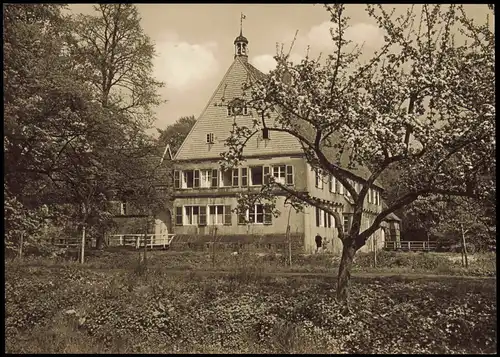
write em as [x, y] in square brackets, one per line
[424, 104]
[67, 142]
[45, 108]
[116, 57]
[175, 134]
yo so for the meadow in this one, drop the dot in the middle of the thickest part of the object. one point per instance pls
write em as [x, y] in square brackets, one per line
[187, 302]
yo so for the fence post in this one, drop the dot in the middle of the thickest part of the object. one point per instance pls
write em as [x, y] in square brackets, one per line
[21, 246]
[82, 257]
[409, 246]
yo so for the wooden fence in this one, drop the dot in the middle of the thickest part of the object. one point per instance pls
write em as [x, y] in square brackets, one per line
[411, 245]
[137, 240]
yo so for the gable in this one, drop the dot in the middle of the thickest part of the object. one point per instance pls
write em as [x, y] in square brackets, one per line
[214, 119]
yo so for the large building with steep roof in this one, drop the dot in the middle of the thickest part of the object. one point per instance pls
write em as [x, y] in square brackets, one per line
[205, 196]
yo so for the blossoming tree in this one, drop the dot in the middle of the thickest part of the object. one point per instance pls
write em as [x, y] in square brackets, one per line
[424, 104]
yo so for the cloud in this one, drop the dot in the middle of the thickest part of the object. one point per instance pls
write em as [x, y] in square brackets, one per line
[182, 65]
[267, 63]
[319, 36]
[370, 34]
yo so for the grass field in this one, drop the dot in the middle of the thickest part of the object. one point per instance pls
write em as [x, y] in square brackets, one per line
[112, 305]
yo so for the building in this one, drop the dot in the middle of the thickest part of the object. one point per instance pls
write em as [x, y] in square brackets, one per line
[205, 196]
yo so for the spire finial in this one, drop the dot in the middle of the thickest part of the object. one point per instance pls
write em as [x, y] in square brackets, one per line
[242, 17]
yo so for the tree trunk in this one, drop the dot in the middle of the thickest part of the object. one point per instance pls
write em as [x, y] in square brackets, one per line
[344, 275]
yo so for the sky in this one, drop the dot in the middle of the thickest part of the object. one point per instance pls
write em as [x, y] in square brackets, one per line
[194, 43]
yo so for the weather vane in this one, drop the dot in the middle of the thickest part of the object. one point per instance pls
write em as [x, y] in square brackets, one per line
[242, 17]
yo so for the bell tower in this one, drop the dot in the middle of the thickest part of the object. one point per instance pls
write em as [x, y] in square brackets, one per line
[241, 43]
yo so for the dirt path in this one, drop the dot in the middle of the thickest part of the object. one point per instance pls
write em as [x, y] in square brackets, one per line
[287, 274]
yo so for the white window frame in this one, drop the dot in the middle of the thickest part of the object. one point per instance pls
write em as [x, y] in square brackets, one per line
[205, 178]
[281, 171]
[123, 208]
[255, 214]
[209, 215]
[318, 180]
[347, 225]
[185, 221]
[333, 183]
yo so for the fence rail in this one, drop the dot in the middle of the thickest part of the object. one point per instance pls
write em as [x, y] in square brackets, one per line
[411, 245]
[138, 240]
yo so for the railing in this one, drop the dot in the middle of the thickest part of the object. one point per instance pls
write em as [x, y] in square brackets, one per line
[73, 242]
[410, 245]
[137, 240]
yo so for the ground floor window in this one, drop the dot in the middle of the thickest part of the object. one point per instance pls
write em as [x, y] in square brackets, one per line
[257, 214]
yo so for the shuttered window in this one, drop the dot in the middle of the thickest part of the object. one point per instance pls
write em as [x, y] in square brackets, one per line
[235, 178]
[227, 216]
[178, 216]
[215, 178]
[244, 177]
[177, 179]
[268, 217]
[196, 179]
[289, 175]
[266, 171]
[203, 216]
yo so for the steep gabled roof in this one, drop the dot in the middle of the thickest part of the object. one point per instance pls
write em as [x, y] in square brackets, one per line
[215, 120]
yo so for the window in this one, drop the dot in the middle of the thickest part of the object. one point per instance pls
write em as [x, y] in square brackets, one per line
[256, 214]
[205, 178]
[177, 179]
[216, 215]
[289, 174]
[233, 110]
[318, 179]
[347, 193]
[226, 178]
[332, 184]
[210, 138]
[187, 179]
[256, 175]
[227, 216]
[327, 220]
[191, 214]
[235, 178]
[244, 177]
[378, 197]
[265, 134]
[279, 173]
[123, 208]
[215, 178]
[178, 216]
[320, 217]
[323, 219]
[203, 216]
[338, 186]
[196, 178]
[347, 223]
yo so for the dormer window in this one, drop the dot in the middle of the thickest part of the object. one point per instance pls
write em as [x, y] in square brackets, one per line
[237, 107]
[210, 138]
